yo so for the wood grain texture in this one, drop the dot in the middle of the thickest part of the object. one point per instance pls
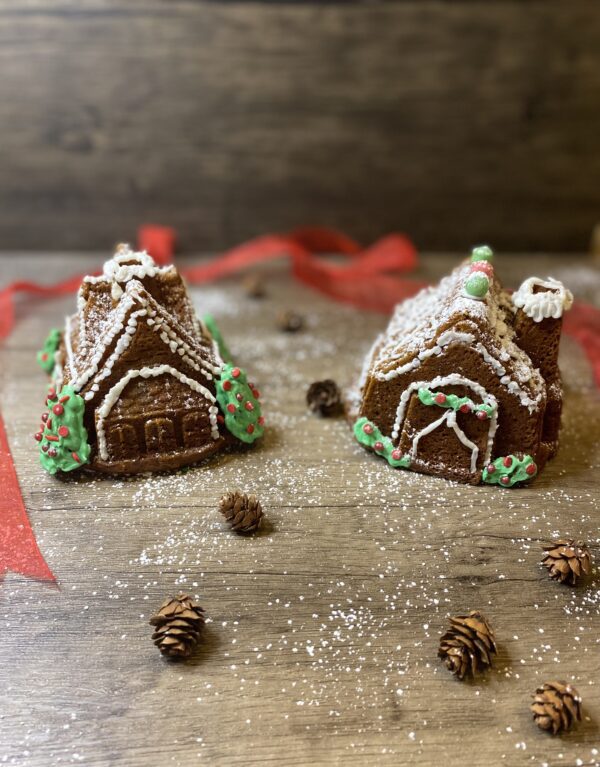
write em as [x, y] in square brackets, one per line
[456, 122]
[324, 628]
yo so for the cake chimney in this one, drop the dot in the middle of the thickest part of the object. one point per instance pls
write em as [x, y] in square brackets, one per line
[538, 321]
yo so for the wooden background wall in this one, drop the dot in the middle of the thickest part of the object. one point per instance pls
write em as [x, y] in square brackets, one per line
[454, 121]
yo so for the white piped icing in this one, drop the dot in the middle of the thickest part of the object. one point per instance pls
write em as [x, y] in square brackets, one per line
[127, 265]
[115, 392]
[449, 418]
[450, 380]
[551, 301]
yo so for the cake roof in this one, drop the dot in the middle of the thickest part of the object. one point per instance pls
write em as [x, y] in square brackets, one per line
[438, 316]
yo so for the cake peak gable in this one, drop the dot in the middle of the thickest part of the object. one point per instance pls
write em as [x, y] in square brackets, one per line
[126, 265]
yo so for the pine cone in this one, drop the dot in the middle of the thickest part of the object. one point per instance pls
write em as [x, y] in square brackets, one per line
[556, 706]
[468, 645]
[178, 624]
[243, 512]
[567, 560]
[324, 397]
[290, 322]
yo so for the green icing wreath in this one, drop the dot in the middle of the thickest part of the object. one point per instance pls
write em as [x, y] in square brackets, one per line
[452, 401]
[239, 402]
[63, 437]
[507, 470]
[45, 357]
[369, 436]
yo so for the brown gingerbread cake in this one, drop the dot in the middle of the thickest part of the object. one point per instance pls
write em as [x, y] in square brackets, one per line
[140, 383]
[464, 383]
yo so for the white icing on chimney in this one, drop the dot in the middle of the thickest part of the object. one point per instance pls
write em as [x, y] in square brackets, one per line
[552, 301]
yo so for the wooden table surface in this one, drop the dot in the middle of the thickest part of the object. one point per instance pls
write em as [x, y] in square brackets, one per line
[323, 633]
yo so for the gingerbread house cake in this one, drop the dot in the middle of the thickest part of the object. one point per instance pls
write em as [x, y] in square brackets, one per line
[464, 383]
[139, 382]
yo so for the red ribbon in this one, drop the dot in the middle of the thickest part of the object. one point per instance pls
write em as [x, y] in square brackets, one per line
[368, 280]
[18, 549]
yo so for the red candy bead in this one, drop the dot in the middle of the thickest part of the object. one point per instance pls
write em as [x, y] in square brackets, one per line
[531, 469]
[505, 480]
[51, 394]
[482, 266]
[255, 393]
[378, 447]
[368, 428]
[239, 396]
[45, 417]
[250, 428]
[45, 447]
[220, 419]
[63, 431]
[261, 421]
[482, 415]
[231, 408]
[491, 468]
[507, 461]
[44, 357]
[227, 385]
[440, 398]
[465, 408]
[75, 457]
[249, 406]
[38, 437]
[236, 372]
[396, 454]
[58, 410]
[52, 453]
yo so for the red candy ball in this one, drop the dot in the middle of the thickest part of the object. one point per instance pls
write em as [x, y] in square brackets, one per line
[396, 454]
[368, 428]
[51, 393]
[227, 385]
[507, 462]
[220, 419]
[491, 468]
[45, 447]
[250, 428]
[45, 417]
[52, 452]
[58, 410]
[378, 446]
[236, 372]
[261, 421]
[63, 431]
[505, 480]
[249, 406]
[482, 415]
[231, 408]
[482, 266]
[440, 398]
[531, 469]
[465, 408]
[38, 437]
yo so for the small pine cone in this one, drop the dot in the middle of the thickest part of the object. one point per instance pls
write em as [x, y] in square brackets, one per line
[468, 645]
[243, 512]
[254, 286]
[325, 398]
[567, 561]
[290, 322]
[556, 707]
[177, 624]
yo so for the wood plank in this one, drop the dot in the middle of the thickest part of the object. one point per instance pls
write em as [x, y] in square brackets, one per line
[456, 122]
[324, 629]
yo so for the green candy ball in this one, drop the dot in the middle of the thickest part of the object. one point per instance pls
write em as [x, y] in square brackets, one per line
[477, 285]
[482, 253]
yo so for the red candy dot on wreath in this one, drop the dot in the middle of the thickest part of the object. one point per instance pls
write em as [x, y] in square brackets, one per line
[249, 406]
[52, 452]
[236, 372]
[255, 393]
[261, 421]
[507, 461]
[58, 410]
[491, 468]
[75, 457]
[396, 454]
[440, 398]
[250, 428]
[45, 417]
[220, 419]
[482, 415]
[227, 385]
[378, 447]
[368, 428]
[51, 394]
[465, 408]
[239, 396]
[231, 408]
[38, 437]
[531, 469]
[44, 357]
[63, 431]
[45, 448]
[505, 480]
